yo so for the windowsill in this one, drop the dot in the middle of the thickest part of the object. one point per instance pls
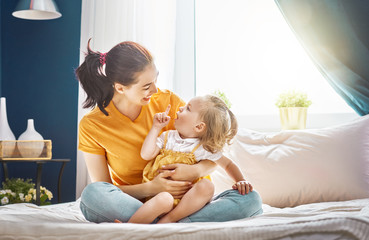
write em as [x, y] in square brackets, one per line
[271, 122]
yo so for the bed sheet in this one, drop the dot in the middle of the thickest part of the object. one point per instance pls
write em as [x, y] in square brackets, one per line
[328, 220]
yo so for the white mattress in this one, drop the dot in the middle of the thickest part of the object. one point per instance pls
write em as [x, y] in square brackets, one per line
[328, 220]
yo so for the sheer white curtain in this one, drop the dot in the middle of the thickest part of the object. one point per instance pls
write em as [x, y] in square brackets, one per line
[151, 23]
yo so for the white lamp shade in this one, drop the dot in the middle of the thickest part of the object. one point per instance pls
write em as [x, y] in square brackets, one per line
[36, 10]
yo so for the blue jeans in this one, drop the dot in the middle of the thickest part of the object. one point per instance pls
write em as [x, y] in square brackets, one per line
[104, 202]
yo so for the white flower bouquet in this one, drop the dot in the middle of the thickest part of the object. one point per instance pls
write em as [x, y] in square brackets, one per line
[17, 190]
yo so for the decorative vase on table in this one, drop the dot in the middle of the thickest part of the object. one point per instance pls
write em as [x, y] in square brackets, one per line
[33, 144]
[5, 131]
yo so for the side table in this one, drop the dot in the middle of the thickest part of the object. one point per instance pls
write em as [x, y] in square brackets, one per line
[38, 173]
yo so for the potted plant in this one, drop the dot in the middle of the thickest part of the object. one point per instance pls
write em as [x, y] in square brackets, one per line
[18, 190]
[293, 107]
[223, 96]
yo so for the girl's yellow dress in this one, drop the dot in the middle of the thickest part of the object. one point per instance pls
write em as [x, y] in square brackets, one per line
[166, 157]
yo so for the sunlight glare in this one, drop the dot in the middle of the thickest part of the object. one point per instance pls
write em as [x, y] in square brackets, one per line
[247, 50]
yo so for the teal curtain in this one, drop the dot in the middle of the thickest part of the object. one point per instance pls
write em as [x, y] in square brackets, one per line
[335, 34]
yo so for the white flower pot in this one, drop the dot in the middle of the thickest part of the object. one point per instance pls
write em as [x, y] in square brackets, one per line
[293, 118]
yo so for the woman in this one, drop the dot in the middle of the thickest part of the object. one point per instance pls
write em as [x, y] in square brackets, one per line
[122, 84]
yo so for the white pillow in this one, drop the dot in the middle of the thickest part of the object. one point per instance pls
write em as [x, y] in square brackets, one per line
[296, 167]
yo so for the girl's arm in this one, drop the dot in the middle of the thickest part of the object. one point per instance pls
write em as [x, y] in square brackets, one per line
[98, 170]
[235, 173]
[149, 148]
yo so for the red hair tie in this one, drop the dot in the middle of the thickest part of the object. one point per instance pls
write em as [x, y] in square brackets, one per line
[102, 58]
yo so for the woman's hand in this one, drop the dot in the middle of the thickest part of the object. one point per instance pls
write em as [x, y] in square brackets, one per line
[185, 172]
[181, 172]
[163, 183]
[243, 187]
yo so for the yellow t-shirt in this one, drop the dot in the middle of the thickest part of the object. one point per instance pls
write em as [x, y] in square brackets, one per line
[120, 139]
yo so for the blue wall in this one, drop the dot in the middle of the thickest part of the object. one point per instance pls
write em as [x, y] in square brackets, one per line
[38, 59]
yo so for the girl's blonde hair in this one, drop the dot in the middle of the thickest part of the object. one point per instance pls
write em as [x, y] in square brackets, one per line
[221, 124]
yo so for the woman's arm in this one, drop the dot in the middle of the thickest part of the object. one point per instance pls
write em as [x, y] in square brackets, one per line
[236, 174]
[97, 167]
[159, 184]
[185, 172]
[98, 170]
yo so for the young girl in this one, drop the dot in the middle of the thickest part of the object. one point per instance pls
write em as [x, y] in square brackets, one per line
[203, 127]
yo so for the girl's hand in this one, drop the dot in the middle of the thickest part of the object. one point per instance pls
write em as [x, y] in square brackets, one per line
[162, 183]
[161, 119]
[243, 187]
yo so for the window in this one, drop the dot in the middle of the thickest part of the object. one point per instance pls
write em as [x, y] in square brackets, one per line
[246, 49]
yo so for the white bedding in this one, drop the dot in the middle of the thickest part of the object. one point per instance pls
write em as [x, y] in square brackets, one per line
[288, 168]
[327, 220]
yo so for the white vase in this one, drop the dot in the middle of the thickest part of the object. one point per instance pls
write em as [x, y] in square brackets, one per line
[5, 131]
[293, 118]
[34, 147]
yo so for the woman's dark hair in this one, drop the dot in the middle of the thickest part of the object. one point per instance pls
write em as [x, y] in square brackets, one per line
[123, 62]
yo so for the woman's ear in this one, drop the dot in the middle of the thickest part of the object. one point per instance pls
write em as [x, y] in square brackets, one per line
[200, 127]
[119, 87]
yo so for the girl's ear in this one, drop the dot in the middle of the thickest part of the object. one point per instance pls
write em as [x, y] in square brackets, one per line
[119, 88]
[200, 127]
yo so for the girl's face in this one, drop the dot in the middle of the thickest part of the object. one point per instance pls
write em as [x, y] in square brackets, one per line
[140, 92]
[188, 122]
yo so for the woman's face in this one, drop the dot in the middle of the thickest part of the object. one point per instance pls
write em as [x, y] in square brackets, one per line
[188, 119]
[140, 92]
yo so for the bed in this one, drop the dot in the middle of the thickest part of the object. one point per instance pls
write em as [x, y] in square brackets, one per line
[314, 184]
[327, 220]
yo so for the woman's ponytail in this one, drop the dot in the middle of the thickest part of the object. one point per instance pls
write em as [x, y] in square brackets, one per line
[97, 86]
